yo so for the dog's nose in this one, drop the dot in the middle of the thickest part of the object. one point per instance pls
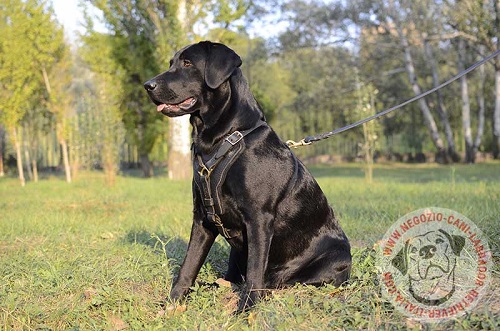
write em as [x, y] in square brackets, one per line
[427, 252]
[150, 85]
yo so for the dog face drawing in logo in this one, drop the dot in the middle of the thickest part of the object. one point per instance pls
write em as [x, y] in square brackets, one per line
[429, 261]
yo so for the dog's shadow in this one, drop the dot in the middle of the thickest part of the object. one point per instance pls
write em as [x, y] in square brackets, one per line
[174, 249]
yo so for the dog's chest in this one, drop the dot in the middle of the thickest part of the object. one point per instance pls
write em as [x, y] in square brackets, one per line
[210, 177]
[210, 172]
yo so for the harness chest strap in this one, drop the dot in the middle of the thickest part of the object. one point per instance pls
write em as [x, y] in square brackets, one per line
[210, 175]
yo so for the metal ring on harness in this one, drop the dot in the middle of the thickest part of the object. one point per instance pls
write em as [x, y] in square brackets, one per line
[204, 171]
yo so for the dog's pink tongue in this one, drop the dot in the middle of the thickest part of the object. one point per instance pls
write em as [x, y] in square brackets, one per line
[159, 108]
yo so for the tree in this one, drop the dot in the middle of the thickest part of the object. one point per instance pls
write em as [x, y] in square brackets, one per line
[187, 14]
[26, 29]
[60, 103]
[53, 65]
[471, 144]
[145, 35]
[103, 112]
[371, 130]
[315, 23]
[13, 63]
[416, 38]
[394, 20]
[174, 29]
[133, 49]
[431, 26]
[479, 22]
[179, 154]
[2, 149]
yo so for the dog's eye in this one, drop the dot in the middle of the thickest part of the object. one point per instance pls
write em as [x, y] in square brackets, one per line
[439, 241]
[186, 63]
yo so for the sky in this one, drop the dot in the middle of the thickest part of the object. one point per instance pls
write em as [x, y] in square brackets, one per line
[70, 16]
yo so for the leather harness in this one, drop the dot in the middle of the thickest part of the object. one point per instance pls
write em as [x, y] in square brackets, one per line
[210, 172]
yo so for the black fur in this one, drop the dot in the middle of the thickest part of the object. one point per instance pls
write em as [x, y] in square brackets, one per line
[289, 233]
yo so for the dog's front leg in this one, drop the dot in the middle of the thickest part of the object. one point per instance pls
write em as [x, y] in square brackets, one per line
[199, 245]
[259, 242]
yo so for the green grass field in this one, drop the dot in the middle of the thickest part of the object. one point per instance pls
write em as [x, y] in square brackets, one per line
[89, 257]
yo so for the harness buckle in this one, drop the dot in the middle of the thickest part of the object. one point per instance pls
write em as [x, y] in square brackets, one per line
[234, 138]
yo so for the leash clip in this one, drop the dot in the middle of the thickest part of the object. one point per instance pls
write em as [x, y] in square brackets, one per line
[295, 144]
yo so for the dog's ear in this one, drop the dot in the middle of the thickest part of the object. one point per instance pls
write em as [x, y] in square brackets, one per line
[400, 261]
[457, 243]
[221, 63]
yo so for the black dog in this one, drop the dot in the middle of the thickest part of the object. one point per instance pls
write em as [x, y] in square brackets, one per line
[248, 186]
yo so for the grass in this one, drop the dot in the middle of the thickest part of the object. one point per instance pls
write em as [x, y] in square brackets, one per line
[88, 257]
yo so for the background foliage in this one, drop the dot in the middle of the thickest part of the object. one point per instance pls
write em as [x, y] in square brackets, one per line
[81, 105]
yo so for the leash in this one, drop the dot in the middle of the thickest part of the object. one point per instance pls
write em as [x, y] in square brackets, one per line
[310, 139]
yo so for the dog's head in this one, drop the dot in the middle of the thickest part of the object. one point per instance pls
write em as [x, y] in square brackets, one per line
[195, 72]
[429, 261]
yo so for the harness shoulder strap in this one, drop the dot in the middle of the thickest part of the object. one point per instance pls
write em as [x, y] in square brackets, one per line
[210, 175]
[232, 140]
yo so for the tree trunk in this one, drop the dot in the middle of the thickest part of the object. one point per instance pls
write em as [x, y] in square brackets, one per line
[441, 155]
[441, 107]
[179, 156]
[109, 162]
[64, 151]
[26, 145]
[147, 167]
[496, 113]
[67, 168]
[34, 156]
[34, 166]
[17, 145]
[27, 160]
[74, 151]
[481, 111]
[368, 150]
[464, 92]
[2, 142]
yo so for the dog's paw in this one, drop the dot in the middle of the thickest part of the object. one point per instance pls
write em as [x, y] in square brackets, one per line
[223, 283]
[248, 300]
[172, 310]
[178, 292]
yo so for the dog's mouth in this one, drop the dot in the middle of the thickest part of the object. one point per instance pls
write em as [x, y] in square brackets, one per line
[177, 107]
[434, 271]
